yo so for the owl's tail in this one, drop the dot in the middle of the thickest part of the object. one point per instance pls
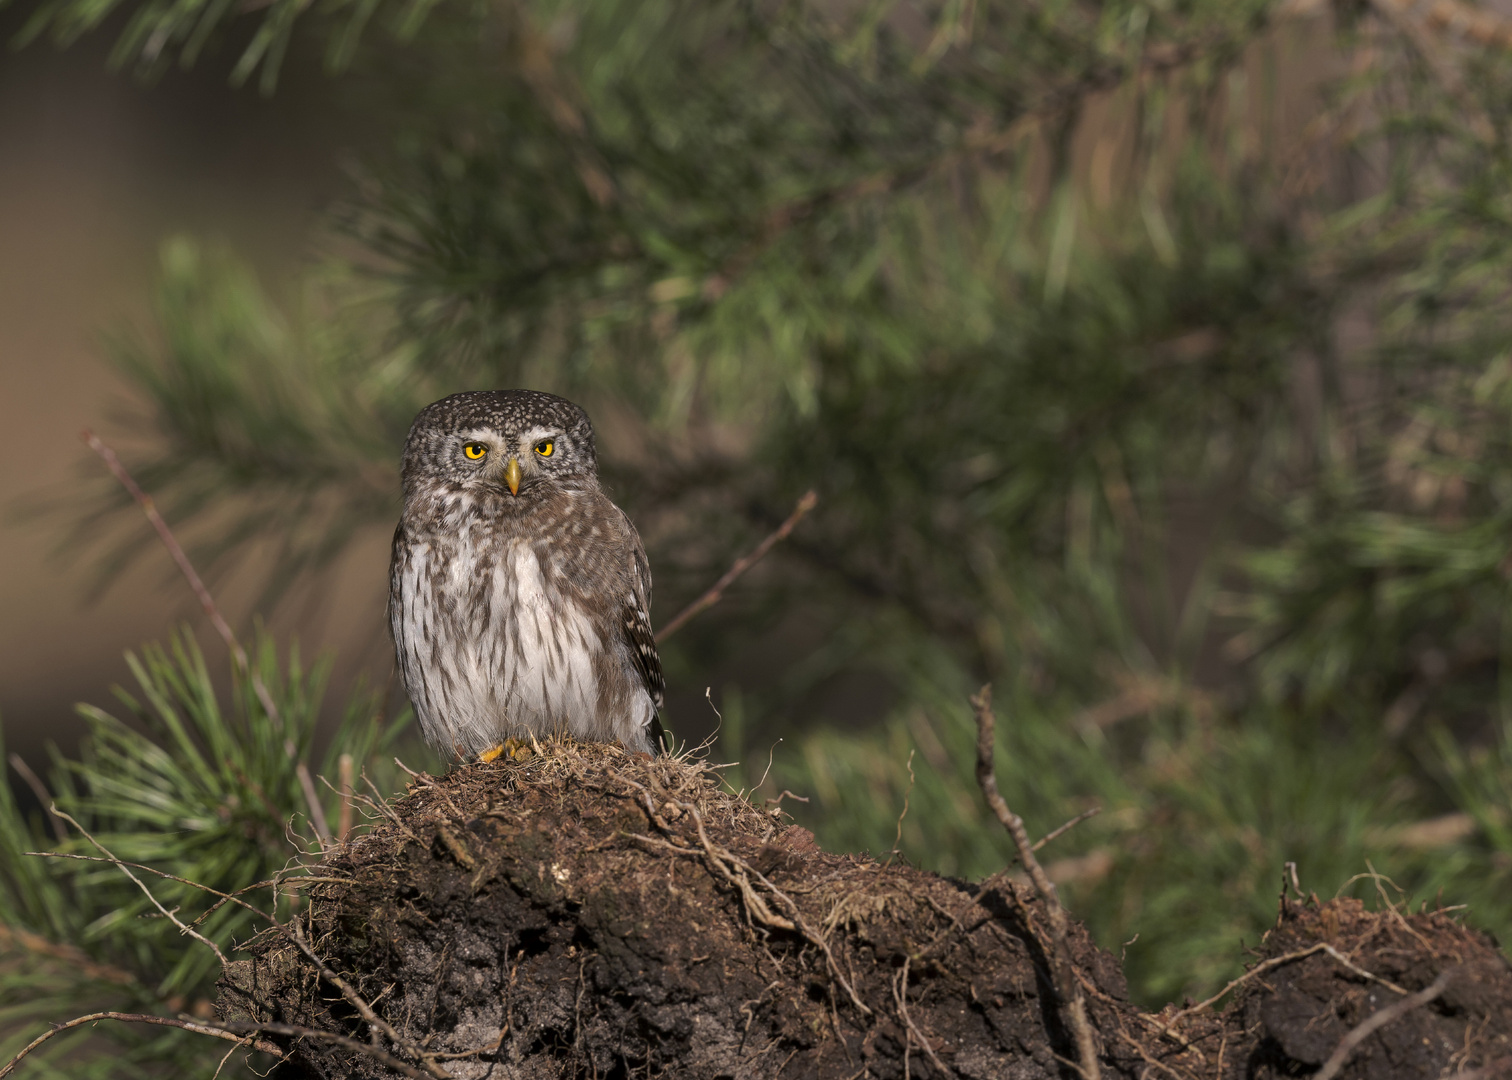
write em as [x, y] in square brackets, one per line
[660, 743]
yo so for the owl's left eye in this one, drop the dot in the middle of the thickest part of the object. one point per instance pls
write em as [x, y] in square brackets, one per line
[475, 451]
[545, 447]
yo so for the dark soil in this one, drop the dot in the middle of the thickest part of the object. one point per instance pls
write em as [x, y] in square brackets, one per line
[589, 914]
[1295, 1015]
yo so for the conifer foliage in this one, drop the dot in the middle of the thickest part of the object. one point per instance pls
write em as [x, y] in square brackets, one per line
[1150, 360]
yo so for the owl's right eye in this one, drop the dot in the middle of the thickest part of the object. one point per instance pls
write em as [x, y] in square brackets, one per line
[475, 451]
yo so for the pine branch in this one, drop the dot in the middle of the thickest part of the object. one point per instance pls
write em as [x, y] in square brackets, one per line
[239, 654]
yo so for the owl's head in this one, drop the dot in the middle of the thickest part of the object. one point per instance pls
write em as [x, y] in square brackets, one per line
[514, 441]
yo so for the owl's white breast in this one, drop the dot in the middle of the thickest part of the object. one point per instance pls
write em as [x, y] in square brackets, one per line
[518, 656]
[545, 658]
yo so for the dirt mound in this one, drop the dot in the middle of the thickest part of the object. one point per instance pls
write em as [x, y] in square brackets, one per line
[585, 913]
[1441, 993]
[1336, 991]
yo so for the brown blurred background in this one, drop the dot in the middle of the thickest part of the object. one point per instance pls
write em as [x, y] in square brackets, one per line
[96, 168]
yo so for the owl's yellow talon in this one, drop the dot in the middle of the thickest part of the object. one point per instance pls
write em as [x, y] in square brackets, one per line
[512, 749]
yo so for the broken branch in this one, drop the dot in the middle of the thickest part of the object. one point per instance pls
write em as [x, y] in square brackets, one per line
[1067, 988]
[716, 591]
[217, 620]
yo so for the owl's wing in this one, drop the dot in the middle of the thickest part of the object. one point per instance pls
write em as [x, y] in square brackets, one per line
[396, 562]
[636, 622]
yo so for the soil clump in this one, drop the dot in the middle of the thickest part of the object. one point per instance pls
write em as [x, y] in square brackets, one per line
[588, 913]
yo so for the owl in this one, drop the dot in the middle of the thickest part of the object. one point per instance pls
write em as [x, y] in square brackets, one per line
[519, 594]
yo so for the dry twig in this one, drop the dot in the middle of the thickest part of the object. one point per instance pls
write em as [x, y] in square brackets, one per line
[223, 628]
[1377, 878]
[426, 780]
[379, 804]
[211, 1029]
[907, 794]
[291, 933]
[1055, 834]
[716, 591]
[184, 928]
[236, 1032]
[1067, 988]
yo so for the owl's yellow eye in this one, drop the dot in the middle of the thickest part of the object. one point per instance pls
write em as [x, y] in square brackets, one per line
[475, 451]
[545, 447]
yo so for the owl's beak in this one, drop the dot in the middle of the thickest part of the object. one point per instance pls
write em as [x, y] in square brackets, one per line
[512, 475]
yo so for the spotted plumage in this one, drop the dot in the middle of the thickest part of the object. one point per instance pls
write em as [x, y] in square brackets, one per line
[519, 594]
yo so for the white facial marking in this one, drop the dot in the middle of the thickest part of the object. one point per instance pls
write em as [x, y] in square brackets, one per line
[530, 436]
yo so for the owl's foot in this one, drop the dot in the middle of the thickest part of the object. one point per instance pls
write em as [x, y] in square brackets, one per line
[509, 749]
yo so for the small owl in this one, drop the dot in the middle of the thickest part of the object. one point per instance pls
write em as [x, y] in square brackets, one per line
[519, 595]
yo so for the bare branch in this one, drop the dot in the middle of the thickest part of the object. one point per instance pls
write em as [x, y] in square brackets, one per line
[242, 1043]
[742, 564]
[165, 534]
[39, 789]
[1067, 988]
[223, 628]
[112, 860]
[379, 804]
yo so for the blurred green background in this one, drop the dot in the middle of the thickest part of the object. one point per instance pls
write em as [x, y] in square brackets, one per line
[1152, 362]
